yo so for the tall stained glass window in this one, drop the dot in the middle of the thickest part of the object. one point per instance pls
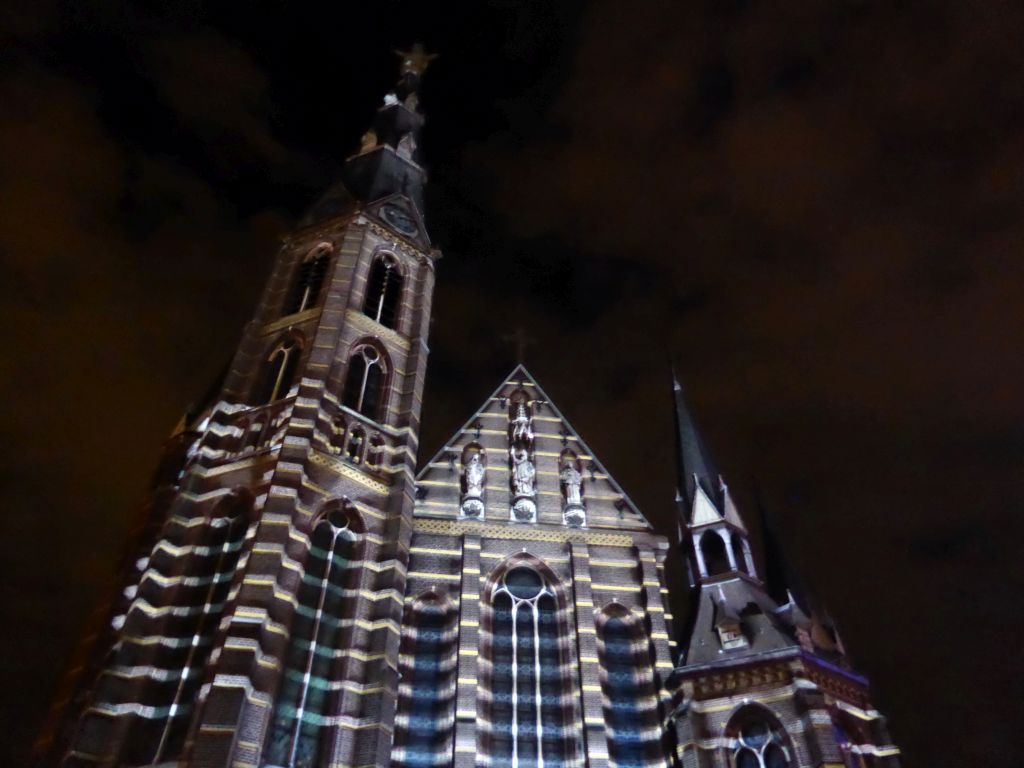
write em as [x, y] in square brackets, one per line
[530, 716]
[301, 713]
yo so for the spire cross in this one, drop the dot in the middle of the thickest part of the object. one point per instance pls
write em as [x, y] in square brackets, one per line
[521, 340]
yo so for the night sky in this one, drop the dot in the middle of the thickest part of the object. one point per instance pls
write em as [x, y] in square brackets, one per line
[816, 208]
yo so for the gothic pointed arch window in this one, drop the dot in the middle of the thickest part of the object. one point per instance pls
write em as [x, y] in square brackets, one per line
[365, 381]
[309, 280]
[527, 702]
[279, 369]
[712, 549]
[756, 739]
[309, 681]
[384, 291]
[426, 693]
[630, 691]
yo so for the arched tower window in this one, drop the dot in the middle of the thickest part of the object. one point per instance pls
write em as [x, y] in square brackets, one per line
[426, 693]
[309, 280]
[712, 548]
[279, 370]
[630, 691]
[757, 740]
[384, 291]
[528, 716]
[308, 681]
[365, 380]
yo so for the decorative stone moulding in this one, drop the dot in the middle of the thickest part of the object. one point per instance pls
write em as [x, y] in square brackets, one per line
[524, 510]
[574, 515]
[473, 506]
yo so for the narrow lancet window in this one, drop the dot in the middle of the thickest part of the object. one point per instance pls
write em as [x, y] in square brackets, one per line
[364, 383]
[426, 694]
[301, 713]
[384, 291]
[279, 370]
[630, 691]
[309, 281]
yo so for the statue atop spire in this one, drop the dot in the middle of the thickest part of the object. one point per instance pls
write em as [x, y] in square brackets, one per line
[416, 60]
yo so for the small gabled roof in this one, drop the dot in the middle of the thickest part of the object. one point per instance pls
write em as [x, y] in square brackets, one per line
[607, 504]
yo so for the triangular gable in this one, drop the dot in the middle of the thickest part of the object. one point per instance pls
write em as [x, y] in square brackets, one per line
[703, 511]
[439, 483]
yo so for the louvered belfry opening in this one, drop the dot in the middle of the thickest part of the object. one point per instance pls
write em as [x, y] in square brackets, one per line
[384, 291]
[309, 282]
[426, 694]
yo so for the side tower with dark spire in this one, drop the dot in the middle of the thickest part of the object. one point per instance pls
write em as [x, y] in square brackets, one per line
[763, 682]
[260, 615]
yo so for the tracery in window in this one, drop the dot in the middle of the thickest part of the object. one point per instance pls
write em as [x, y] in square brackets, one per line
[279, 370]
[630, 691]
[365, 380]
[384, 291]
[526, 685]
[426, 693]
[757, 740]
[302, 711]
[309, 280]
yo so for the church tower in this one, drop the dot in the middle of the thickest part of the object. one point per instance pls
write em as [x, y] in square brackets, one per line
[259, 622]
[300, 597]
[763, 681]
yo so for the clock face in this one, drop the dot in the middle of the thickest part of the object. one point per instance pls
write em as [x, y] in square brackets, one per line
[399, 219]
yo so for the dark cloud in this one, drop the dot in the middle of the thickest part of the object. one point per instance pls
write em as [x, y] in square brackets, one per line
[814, 209]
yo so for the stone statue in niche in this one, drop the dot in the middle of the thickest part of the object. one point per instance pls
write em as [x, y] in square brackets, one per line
[522, 429]
[572, 480]
[474, 475]
[523, 472]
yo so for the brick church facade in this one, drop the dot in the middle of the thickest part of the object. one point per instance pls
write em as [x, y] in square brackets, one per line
[303, 596]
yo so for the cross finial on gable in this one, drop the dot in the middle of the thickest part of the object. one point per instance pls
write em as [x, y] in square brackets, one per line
[521, 340]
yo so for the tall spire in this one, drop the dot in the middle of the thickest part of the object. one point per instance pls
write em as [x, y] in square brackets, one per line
[387, 162]
[694, 464]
